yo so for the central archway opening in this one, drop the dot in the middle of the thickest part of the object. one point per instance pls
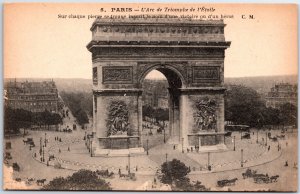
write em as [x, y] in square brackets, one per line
[160, 110]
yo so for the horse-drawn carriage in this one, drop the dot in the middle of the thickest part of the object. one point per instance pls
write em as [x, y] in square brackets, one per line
[246, 136]
[16, 167]
[226, 182]
[249, 173]
[7, 156]
[274, 139]
[228, 134]
[160, 130]
[129, 176]
[261, 178]
[281, 136]
[29, 141]
[104, 174]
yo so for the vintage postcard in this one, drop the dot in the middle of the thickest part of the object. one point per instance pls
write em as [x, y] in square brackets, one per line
[150, 97]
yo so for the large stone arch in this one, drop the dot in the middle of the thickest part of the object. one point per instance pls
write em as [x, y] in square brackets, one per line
[191, 55]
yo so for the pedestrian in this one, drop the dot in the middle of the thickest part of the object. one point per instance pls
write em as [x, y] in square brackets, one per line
[68, 148]
[119, 171]
[136, 168]
[59, 151]
[286, 163]
[154, 180]
[286, 144]
[174, 147]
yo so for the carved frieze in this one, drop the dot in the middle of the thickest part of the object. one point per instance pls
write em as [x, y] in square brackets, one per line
[163, 29]
[117, 74]
[154, 52]
[206, 74]
[205, 118]
[117, 122]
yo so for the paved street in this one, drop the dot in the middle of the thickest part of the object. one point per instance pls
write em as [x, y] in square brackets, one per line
[72, 154]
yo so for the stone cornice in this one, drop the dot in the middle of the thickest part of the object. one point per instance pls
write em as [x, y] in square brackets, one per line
[201, 89]
[117, 91]
[189, 44]
[157, 22]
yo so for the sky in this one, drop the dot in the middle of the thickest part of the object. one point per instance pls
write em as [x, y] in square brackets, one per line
[37, 44]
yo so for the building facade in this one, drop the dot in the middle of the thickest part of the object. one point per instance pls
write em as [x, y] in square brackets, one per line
[32, 96]
[281, 94]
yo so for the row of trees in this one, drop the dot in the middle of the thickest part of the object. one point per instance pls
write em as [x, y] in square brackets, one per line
[244, 105]
[173, 173]
[14, 119]
[80, 104]
[155, 115]
[80, 180]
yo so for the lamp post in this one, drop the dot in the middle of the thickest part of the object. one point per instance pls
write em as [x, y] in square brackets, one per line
[147, 147]
[164, 134]
[45, 139]
[166, 157]
[208, 161]
[91, 148]
[182, 144]
[242, 159]
[241, 134]
[129, 163]
[41, 146]
[43, 154]
[233, 143]
[257, 136]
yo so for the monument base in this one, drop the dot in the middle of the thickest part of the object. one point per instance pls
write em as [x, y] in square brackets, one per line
[213, 148]
[118, 152]
[117, 145]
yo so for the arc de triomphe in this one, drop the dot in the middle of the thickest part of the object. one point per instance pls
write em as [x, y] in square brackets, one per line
[190, 53]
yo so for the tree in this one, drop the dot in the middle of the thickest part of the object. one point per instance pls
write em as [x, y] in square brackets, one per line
[80, 104]
[81, 180]
[162, 115]
[288, 114]
[243, 105]
[14, 119]
[174, 171]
